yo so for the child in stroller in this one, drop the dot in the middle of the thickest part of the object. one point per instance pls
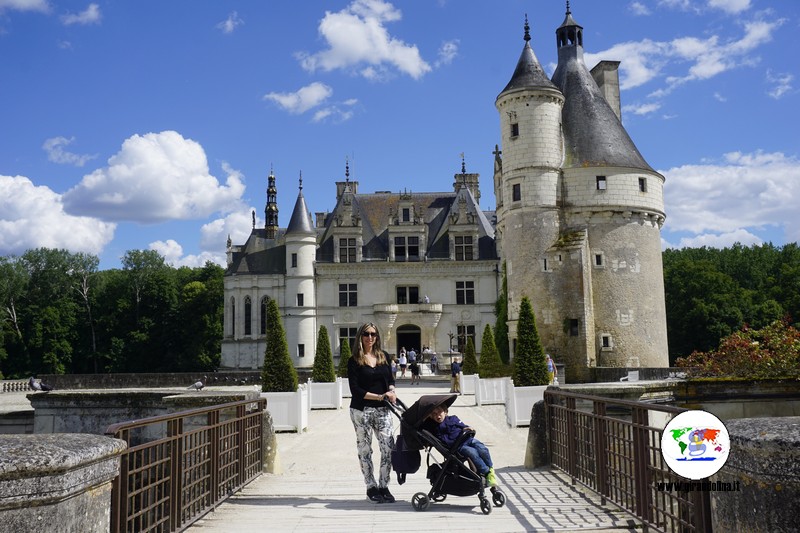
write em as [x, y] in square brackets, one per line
[452, 475]
[449, 429]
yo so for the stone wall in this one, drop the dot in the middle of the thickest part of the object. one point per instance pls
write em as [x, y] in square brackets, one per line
[148, 381]
[57, 482]
[764, 465]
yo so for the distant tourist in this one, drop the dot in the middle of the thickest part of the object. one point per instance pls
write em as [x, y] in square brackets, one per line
[455, 376]
[552, 371]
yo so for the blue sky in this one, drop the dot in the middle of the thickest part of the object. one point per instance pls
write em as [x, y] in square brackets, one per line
[153, 125]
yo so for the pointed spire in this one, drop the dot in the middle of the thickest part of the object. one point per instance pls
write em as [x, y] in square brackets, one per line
[300, 221]
[529, 74]
[527, 36]
[347, 168]
[463, 164]
[301, 182]
[568, 11]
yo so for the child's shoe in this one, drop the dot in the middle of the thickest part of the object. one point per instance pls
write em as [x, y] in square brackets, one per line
[491, 479]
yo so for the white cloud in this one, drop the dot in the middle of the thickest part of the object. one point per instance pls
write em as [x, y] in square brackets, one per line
[720, 97]
[642, 109]
[303, 99]
[641, 61]
[153, 178]
[228, 25]
[172, 252]
[447, 52]
[357, 39]
[237, 225]
[781, 84]
[744, 192]
[90, 15]
[33, 216]
[722, 240]
[730, 6]
[57, 154]
[25, 5]
[638, 8]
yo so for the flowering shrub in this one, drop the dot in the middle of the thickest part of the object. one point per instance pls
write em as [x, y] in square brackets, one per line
[770, 352]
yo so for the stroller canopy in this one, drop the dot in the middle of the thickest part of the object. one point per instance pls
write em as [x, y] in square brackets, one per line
[415, 418]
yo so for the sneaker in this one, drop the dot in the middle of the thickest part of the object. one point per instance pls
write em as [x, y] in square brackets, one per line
[387, 496]
[374, 495]
[491, 479]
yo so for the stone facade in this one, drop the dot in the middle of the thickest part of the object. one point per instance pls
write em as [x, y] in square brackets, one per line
[577, 223]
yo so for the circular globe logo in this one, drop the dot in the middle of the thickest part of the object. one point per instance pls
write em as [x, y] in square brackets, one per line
[695, 444]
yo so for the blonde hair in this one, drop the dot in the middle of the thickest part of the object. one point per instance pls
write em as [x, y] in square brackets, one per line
[358, 349]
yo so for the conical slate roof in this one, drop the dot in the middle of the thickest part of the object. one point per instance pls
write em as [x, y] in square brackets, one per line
[301, 220]
[593, 134]
[529, 73]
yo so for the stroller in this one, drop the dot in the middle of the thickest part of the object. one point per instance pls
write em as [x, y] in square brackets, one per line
[453, 475]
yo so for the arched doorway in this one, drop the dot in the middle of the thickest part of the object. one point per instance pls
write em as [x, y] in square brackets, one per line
[408, 336]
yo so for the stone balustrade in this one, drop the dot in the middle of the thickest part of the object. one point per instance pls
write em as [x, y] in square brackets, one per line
[57, 482]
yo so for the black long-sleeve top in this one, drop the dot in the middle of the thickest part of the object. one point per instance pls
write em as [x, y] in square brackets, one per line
[364, 379]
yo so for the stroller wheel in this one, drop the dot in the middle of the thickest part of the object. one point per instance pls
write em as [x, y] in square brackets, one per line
[498, 498]
[486, 507]
[438, 497]
[420, 501]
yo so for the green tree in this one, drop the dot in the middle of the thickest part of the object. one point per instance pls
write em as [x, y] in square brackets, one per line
[323, 371]
[491, 365]
[470, 364]
[344, 356]
[530, 367]
[278, 373]
[501, 324]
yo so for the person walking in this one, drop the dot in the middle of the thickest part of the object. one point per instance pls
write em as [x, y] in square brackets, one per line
[455, 376]
[403, 362]
[371, 383]
[552, 371]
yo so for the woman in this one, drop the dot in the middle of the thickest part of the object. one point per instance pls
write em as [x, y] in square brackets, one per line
[371, 382]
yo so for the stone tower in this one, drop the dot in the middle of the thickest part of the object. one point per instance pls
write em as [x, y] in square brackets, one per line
[300, 319]
[579, 213]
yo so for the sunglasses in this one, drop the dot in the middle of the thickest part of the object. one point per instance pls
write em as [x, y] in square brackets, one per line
[369, 334]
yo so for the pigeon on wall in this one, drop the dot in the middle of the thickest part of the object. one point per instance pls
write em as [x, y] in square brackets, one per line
[195, 386]
[38, 385]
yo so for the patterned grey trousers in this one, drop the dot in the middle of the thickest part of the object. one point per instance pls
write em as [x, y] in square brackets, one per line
[376, 419]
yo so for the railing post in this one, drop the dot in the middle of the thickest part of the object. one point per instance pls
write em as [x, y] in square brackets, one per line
[601, 449]
[242, 436]
[119, 489]
[213, 464]
[175, 433]
[641, 475]
[572, 443]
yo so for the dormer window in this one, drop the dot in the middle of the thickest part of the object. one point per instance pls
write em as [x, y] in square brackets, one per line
[463, 248]
[406, 214]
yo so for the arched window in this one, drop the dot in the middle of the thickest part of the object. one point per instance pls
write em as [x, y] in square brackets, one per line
[233, 316]
[263, 315]
[248, 315]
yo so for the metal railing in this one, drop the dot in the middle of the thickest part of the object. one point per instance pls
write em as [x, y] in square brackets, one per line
[180, 466]
[613, 447]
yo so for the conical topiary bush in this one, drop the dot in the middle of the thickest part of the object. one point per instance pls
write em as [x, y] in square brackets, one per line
[278, 373]
[323, 371]
[491, 365]
[529, 363]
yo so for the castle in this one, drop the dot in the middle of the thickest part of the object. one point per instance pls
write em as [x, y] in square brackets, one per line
[576, 223]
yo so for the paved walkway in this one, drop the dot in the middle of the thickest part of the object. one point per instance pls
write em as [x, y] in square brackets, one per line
[321, 488]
